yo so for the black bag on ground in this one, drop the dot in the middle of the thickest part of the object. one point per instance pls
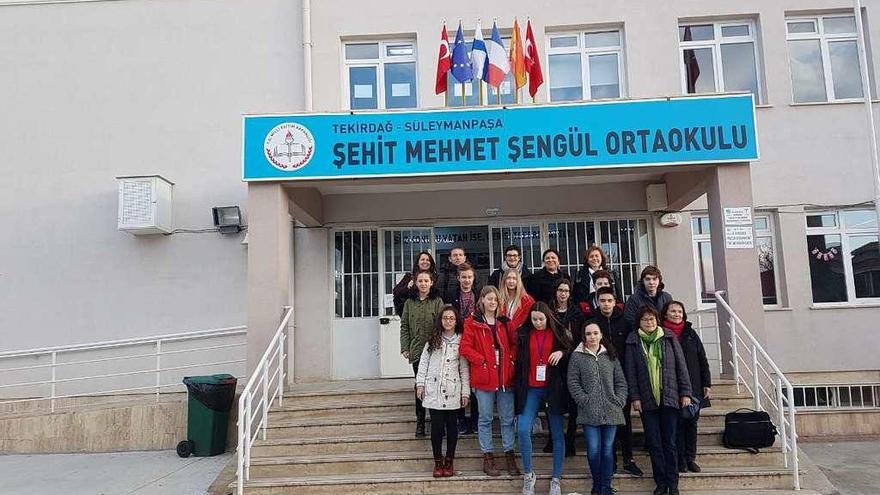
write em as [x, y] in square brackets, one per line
[749, 430]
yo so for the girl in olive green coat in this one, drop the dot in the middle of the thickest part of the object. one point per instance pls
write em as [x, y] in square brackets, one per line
[416, 325]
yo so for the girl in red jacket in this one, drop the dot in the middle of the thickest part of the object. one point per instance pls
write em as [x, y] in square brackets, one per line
[486, 346]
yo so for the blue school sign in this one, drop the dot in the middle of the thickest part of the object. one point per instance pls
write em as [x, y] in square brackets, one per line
[523, 138]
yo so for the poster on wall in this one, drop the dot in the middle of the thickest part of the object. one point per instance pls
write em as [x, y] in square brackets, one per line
[736, 237]
[665, 131]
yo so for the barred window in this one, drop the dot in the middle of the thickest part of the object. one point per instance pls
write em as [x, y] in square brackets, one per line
[356, 273]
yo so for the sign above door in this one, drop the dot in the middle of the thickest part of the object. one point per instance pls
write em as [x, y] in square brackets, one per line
[630, 133]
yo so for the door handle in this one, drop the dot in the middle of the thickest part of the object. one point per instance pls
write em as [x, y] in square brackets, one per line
[384, 320]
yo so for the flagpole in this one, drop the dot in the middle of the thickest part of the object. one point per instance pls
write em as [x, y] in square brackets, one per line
[463, 97]
[481, 92]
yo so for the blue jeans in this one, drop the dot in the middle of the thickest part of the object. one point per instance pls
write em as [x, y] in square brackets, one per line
[534, 398]
[486, 401]
[661, 434]
[600, 455]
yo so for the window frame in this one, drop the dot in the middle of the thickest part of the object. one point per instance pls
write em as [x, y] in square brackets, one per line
[769, 232]
[585, 53]
[716, 43]
[845, 233]
[379, 64]
[823, 38]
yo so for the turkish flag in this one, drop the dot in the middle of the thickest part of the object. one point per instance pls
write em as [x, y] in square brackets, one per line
[533, 62]
[444, 62]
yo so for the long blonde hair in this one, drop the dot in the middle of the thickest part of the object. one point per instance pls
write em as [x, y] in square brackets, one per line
[506, 299]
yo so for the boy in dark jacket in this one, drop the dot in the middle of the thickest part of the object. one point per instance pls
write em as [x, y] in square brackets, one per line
[649, 293]
[609, 317]
[447, 274]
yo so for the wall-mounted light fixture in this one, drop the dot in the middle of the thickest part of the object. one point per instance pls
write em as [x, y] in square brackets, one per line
[227, 219]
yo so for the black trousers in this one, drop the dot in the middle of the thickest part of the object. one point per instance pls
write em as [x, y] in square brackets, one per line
[661, 435]
[420, 410]
[687, 439]
[444, 422]
[624, 435]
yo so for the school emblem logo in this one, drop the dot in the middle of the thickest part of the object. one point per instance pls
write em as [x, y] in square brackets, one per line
[289, 146]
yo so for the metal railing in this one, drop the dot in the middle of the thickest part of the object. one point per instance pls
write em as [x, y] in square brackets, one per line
[755, 370]
[264, 386]
[118, 370]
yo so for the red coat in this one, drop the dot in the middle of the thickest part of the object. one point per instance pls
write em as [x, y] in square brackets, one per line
[479, 349]
[519, 317]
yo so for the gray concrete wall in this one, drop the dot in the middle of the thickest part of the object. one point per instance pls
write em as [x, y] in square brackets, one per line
[93, 90]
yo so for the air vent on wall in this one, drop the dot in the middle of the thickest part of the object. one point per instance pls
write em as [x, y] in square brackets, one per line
[144, 204]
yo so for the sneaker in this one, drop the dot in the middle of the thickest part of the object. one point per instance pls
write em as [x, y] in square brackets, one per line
[693, 467]
[631, 468]
[555, 487]
[529, 484]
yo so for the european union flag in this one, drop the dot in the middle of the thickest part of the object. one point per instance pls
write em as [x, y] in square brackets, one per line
[461, 60]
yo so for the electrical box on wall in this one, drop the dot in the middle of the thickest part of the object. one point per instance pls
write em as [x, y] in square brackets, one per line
[145, 204]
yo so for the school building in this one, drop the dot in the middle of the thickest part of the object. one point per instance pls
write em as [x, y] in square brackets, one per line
[727, 144]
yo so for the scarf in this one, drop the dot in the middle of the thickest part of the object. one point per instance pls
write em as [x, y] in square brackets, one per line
[676, 329]
[654, 353]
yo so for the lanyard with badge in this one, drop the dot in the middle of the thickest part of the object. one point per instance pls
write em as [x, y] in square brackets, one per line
[541, 369]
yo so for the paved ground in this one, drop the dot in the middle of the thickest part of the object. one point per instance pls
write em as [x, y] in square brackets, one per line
[124, 473]
[853, 467]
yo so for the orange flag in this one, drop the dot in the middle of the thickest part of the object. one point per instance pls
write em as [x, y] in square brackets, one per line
[517, 58]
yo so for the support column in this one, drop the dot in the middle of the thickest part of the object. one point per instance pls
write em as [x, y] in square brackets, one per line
[736, 270]
[269, 262]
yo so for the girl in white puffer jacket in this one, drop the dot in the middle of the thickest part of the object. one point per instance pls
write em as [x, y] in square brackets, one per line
[443, 385]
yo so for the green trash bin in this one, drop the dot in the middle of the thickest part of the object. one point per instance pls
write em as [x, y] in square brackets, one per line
[210, 399]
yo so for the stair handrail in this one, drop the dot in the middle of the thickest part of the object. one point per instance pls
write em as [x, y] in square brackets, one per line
[760, 360]
[270, 368]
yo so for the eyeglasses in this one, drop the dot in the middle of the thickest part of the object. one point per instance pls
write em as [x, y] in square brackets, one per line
[449, 318]
[511, 255]
[648, 318]
[563, 290]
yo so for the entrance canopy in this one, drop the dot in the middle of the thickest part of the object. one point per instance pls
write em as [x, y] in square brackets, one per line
[619, 134]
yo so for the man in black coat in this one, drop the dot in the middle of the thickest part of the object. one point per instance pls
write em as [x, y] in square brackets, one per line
[615, 329]
[447, 275]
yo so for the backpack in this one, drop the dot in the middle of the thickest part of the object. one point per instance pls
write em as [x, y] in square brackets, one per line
[749, 430]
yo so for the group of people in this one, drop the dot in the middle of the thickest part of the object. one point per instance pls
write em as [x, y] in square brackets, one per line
[528, 341]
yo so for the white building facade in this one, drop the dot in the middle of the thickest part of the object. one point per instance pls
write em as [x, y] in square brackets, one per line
[141, 87]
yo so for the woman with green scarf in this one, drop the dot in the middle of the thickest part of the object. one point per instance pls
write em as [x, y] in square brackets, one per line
[659, 385]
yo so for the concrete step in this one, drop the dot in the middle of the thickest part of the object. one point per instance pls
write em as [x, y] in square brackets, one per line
[373, 407]
[471, 460]
[399, 442]
[476, 482]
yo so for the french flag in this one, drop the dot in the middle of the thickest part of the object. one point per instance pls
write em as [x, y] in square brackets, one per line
[498, 65]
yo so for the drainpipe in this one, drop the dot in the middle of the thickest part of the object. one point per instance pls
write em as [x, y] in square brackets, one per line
[307, 53]
[866, 93]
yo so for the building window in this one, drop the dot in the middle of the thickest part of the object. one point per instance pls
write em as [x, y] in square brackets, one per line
[765, 244]
[381, 75]
[478, 93]
[585, 66]
[625, 242]
[719, 57]
[832, 397]
[356, 273]
[824, 57]
[842, 247]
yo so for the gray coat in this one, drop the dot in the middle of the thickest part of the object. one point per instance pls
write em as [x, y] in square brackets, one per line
[597, 386]
[675, 382]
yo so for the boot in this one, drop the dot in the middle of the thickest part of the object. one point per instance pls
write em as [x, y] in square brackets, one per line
[448, 468]
[512, 468]
[420, 426]
[439, 463]
[489, 465]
